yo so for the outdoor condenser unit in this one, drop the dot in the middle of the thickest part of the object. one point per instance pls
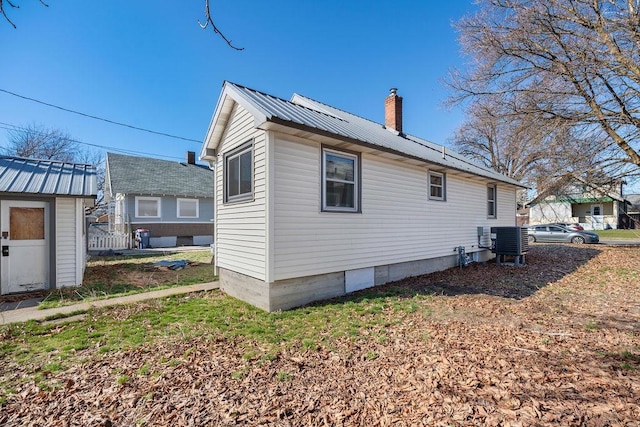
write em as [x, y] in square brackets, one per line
[510, 241]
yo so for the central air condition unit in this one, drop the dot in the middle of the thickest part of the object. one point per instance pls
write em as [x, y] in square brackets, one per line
[510, 241]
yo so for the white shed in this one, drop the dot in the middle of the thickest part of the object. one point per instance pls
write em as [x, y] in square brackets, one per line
[43, 234]
[313, 202]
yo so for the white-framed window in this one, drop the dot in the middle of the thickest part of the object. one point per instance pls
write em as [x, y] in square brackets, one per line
[491, 201]
[238, 175]
[148, 207]
[188, 208]
[437, 186]
[340, 181]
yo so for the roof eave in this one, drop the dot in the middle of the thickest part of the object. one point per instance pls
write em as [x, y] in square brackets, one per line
[229, 97]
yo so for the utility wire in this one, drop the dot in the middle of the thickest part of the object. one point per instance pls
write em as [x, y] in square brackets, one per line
[99, 118]
[12, 127]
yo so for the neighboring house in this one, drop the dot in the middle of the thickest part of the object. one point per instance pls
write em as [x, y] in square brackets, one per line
[313, 202]
[633, 211]
[172, 200]
[576, 201]
[43, 234]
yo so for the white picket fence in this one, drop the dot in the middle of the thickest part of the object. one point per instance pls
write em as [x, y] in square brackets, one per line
[100, 242]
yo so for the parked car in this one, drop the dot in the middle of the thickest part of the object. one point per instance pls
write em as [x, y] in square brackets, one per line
[559, 234]
[571, 226]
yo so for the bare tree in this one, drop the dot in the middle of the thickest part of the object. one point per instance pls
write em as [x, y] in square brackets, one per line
[572, 63]
[531, 149]
[208, 19]
[37, 142]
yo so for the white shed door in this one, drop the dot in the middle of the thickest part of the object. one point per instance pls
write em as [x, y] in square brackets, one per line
[25, 250]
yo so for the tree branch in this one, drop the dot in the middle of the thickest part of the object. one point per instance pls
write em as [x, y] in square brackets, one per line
[4, 13]
[209, 21]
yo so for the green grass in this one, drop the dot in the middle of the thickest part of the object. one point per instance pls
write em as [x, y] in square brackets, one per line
[38, 347]
[108, 277]
[618, 234]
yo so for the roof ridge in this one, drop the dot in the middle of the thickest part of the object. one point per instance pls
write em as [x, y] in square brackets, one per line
[407, 136]
[285, 100]
[31, 159]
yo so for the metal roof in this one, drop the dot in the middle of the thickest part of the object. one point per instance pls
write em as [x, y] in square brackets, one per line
[148, 176]
[47, 177]
[303, 112]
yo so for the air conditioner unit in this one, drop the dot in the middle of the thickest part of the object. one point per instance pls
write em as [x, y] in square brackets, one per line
[510, 241]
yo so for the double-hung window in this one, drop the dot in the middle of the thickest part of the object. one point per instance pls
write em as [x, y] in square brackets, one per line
[436, 186]
[340, 181]
[491, 201]
[239, 174]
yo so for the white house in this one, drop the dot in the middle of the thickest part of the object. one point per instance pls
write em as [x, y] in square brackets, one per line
[43, 233]
[313, 202]
[574, 200]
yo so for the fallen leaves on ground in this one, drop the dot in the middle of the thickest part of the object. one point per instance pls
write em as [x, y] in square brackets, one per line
[542, 344]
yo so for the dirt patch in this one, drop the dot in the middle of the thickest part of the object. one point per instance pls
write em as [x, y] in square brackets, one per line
[555, 342]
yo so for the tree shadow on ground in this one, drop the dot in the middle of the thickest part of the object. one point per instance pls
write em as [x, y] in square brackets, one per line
[545, 264]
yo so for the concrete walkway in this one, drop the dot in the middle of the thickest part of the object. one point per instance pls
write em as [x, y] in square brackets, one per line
[24, 314]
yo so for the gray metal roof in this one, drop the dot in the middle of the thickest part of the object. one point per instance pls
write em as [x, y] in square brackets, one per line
[148, 176]
[47, 177]
[315, 116]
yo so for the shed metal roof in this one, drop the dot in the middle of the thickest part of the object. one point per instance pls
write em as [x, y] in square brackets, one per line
[148, 176]
[47, 177]
[303, 112]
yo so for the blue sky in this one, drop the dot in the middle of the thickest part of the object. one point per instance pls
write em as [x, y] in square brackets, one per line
[149, 64]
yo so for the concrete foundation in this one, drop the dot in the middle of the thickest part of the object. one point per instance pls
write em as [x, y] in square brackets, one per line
[295, 292]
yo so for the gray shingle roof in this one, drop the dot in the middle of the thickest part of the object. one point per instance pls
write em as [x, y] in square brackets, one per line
[47, 177]
[315, 116]
[148, 176]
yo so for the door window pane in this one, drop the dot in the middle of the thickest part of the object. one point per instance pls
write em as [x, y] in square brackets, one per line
[26, 223]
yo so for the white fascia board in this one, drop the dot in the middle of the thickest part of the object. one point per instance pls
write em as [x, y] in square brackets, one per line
[226, 102]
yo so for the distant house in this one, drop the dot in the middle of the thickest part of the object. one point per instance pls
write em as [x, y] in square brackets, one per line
[632, 217]
[576, 201]
[172, 200]
[42, 204]
[313, 202]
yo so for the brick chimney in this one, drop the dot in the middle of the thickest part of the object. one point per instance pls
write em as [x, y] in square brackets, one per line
[393, 110]
[191, 157]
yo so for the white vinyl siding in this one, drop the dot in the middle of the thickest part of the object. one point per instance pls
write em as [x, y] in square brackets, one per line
[241, 227]
[66, 243]
[397, 223]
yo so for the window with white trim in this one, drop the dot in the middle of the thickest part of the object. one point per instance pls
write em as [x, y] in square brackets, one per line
[436, 186]
[148, 207]
[340, 181]
[491, 201]
[238, 174]
[188, 208]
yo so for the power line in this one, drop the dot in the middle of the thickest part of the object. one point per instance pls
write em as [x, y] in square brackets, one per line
[99, 118]
[12, 127]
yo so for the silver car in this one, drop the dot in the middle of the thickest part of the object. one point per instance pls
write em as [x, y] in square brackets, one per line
[559, 234]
